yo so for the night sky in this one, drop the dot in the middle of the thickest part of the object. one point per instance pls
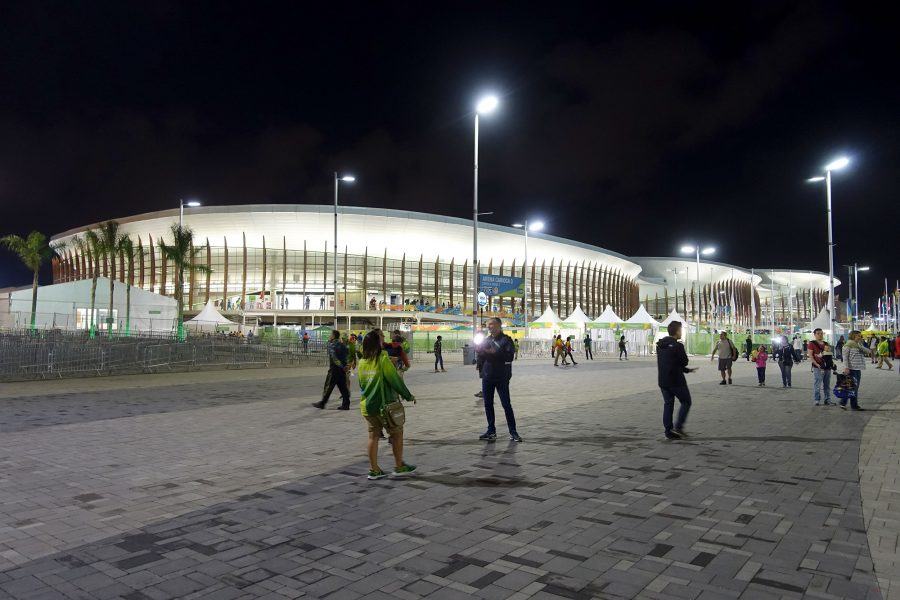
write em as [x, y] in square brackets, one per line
[636, 129]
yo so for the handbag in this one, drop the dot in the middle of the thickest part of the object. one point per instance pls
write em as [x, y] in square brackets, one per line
[394, 414]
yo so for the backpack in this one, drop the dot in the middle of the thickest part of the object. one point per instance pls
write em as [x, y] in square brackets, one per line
[734, 350]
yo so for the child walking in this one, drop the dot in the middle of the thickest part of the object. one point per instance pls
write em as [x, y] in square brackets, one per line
[761, 358]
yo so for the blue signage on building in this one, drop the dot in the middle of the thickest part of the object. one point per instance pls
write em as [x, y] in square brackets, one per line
[502, 285]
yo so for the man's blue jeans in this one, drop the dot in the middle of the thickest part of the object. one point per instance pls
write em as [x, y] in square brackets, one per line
[487, 390]
[821, 378]
[854, 401]
[684, 399]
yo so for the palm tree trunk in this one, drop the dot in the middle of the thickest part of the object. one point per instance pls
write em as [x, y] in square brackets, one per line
[128, 309]
[112, 290]
[179, 296]
[34, 290]
[93, 300]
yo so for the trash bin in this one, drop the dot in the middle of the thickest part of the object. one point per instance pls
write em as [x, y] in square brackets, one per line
[468, 355]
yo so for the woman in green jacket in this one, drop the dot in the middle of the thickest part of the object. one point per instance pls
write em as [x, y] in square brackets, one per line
[381, 384]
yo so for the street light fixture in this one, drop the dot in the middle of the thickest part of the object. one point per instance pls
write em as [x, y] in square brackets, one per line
[337, 180]
[485, 105]
[835, 165]
[526, 227]
[853, 277]
[697, 250]
[181, 205]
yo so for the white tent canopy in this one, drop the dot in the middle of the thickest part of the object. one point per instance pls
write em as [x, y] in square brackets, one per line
[822, 322]
[673, 316]
[209, 318]
[578, 316]
[608, 316]
[642, 317]
[547, 317]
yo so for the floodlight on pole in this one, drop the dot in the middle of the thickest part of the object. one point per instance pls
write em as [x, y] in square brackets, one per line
[526, 227]
[835, 165]
[181, 205]
[697, 251]
[485, 105]
[337, 180]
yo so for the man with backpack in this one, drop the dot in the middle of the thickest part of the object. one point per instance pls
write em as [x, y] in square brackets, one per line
[821, 374]
[728, 353]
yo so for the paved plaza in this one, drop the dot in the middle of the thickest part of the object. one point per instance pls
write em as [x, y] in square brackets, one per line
[229, 484]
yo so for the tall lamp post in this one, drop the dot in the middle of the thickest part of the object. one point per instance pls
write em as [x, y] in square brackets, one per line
[675, 272]
[835, 165]
[485, 106]
[337, 180]
[853, 282]
[181, 205]
[526, 227]
[697, 250]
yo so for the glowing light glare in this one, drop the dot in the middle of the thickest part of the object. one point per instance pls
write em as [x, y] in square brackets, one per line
[192, 203]
[348, 178]
[487, 105]
[479, 337]
[863, 269]
[708, 251]
[815, 179]
[536, 226]
[687, 249]
[837, 164]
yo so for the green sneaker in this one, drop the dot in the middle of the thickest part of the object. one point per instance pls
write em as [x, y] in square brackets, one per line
[377, 475]
[404, 470]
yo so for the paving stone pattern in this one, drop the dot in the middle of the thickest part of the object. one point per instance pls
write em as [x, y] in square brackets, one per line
[267, 498]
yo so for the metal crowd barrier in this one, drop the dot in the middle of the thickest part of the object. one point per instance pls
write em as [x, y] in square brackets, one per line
[26, 355]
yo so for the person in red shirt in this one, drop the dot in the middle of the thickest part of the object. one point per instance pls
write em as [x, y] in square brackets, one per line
[821, 374]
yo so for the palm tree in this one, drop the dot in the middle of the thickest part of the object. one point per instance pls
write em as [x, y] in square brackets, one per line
[110, 241]
[93, 247]
[181, 252]
[126, 248]
[33, 251]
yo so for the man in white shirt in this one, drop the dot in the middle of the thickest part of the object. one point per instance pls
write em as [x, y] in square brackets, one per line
[726, 351]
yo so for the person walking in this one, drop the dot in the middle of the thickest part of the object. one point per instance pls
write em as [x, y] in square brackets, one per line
[305, 340]
[884, 354]
[438, 354]
[381, 385]
[821, 374]
[839, 347]
[569, 353]
[588, 353]
[337, 373]
[622, 348]
[671, 365]
[516, 346]
[855, 362]
[761, 358]
[494, 357]
[748, 346]
[798, 349]
[786, 363]
[395, 351]
[559, 351]
[727, 354]
[352, 352]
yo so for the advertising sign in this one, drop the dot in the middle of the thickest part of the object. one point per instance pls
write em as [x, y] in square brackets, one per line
[504, 286]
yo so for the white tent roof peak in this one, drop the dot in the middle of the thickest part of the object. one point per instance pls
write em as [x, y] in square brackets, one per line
[642, 316]
[608, 316]
[578, 316]
[210, 316]
[673, 316]
[548, 317]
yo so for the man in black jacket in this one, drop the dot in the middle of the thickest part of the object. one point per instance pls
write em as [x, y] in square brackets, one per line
[672, 361]
[494, 360]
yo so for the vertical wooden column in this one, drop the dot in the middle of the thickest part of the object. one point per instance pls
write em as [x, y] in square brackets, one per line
[284, 257]
[325, 275]
[243, 302]
[403, 278]
[465, 286]
[437, 280]
[346, 305]
[225, 275]
[140, 263]
[543, 267]
[191, 289]
[365, 278]
[450, 301]
[531, 287]
[208, 271]
[566, 288]
[262, 288]
[419, 287]
[550, 285]
[304, 275]
[384, 277]
[152, 251]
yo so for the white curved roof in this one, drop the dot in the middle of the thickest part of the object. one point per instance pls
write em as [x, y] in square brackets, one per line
[796, 278]
[399, 231]
[660, 271]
